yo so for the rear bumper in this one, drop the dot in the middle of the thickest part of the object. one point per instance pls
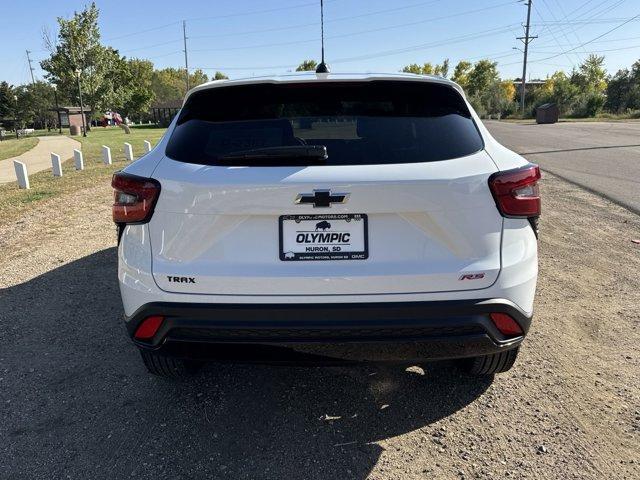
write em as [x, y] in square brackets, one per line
[399, 331]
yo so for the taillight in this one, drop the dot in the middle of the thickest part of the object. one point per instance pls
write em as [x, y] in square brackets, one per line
[507, 325]
[148, 327]
[516, 192]
[134, 198]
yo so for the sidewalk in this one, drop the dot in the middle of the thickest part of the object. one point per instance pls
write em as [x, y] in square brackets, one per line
[39, 157]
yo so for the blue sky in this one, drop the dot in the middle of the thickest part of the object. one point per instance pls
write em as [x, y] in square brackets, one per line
[251, 37]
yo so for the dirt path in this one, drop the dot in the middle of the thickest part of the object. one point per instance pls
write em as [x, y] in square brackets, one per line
[39, 157]
[76, 402]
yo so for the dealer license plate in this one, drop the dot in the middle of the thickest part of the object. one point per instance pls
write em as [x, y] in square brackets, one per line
[323, 237]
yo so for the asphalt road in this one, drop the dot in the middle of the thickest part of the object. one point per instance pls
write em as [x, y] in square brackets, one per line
[603, 157]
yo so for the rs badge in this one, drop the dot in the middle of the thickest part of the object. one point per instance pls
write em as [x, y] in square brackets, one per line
[471, 276]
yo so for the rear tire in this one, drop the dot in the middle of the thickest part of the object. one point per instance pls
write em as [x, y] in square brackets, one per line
[490, 364]
[168, 367]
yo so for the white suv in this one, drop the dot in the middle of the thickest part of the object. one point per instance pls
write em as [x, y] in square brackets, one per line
[327, 217]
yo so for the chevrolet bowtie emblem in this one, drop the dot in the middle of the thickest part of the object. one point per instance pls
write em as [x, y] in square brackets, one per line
[321, 198]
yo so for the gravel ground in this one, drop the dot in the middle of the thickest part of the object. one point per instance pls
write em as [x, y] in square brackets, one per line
[76, 402]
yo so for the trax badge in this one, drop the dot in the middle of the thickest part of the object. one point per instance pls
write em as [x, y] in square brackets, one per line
[181, 279]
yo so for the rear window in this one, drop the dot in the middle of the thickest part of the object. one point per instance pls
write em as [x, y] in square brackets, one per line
[359, 123]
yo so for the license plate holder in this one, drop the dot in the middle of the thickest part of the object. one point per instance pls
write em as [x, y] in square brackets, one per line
[341, 236]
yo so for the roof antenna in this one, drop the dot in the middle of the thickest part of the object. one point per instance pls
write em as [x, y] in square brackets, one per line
[323, 67]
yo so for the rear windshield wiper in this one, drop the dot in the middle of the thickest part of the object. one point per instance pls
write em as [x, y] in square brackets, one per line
[276, 156]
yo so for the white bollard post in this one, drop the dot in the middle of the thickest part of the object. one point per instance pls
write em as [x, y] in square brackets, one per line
[106, 155]
[128, 151]
[56, 165]
[77, 157]
[147, 146]
[21, 174]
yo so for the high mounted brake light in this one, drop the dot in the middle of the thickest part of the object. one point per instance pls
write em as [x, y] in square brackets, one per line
[134, 198]
[516, 192]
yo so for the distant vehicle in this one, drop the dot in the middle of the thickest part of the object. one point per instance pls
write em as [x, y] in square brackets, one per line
[432, 248]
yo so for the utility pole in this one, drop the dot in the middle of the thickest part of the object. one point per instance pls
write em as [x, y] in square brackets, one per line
[526, 40]
[186, 62]
[33, 80]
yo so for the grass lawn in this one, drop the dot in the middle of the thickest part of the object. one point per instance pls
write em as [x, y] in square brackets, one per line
[12, 147]
[14, 202]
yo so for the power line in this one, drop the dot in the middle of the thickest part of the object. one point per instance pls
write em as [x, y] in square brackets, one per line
[624, 39]
[423, 46]
[140, 32]
[586, 52]
[565, 17]
[302, 25]
[175, 52]
[239, 14]
[569, 24]
[146, 47]
[593, 39]
[361, 32]
[258, 12]
[582, 20]
[555, 39]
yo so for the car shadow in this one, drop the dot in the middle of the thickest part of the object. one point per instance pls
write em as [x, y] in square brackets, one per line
[79, 403]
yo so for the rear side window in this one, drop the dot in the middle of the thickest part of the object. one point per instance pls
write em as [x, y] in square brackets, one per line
[359, 123]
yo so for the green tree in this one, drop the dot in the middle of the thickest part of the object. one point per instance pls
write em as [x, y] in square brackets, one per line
[307, 66]
[77, 49]
[33, 104]
[461, 73]
[481, 77]
[428, 68]
[6, 100]
[424, 69]
[619, 91]
[591, 74]
[412, 68]
[198, 77]
[168, 84]
[634, 95]
[558, 89]
[103, 72]
[139, 94]
[219, 76]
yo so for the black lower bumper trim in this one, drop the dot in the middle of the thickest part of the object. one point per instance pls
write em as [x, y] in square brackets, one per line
[447, 329]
